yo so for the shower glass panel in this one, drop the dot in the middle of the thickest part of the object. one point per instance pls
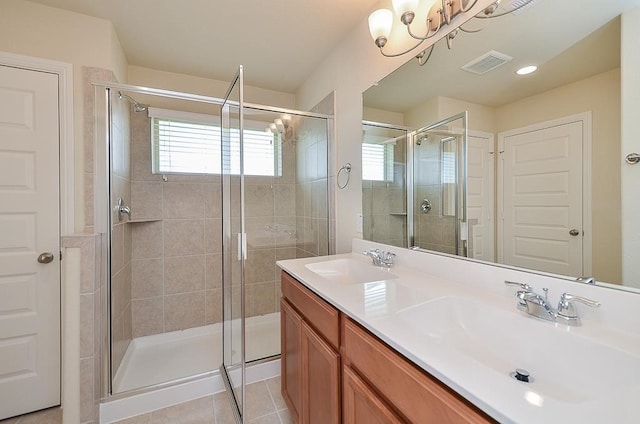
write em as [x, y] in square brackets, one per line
[234, 248]
[160, 151]
[384, 184]
[439, 186]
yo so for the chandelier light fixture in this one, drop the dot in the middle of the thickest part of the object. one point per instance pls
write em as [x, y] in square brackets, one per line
[439, 15]
[282, 126]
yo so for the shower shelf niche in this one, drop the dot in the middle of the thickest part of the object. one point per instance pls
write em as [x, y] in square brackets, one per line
[143, 220]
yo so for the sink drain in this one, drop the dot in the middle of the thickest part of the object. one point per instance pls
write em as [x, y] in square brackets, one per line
[522, 375]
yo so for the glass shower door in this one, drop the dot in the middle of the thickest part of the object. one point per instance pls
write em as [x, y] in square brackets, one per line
[233, 246]
[440, 186]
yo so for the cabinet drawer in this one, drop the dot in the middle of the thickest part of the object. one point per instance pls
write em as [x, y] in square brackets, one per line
[323, 317]
[416, 395]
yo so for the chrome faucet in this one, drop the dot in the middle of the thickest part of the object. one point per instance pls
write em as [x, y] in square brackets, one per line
[539, 307]
[380, 257]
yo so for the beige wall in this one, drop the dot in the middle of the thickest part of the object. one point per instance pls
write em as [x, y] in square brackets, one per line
[31, 29]
[599, 94]
[382, 116]
[204, 86]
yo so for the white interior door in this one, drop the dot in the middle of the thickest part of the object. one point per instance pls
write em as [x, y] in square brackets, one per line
[541, 178]
[480, 195]
[29, 227]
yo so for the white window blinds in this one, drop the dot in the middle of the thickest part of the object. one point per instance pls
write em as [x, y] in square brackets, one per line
[190, 143]
[377, 162]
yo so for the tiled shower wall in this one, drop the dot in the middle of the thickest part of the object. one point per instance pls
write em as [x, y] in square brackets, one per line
[312, 207]
[176, 240]
[384, 217]
[176, 244]
[121, 328]
[432, 230]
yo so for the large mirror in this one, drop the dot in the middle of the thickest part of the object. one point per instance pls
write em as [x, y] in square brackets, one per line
[550, 196]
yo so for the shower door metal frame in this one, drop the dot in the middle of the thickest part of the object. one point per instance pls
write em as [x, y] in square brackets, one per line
[239, 409]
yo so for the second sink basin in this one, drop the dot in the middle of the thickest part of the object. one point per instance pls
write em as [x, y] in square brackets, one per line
[349, 271]
[563, 366]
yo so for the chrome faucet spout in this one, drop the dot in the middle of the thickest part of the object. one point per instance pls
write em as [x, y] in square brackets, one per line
[538, 306]
[380, 257]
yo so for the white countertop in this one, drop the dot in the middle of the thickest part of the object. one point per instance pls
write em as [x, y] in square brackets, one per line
[376, 306]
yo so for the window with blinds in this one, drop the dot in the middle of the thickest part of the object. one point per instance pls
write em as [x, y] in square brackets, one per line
[188, 143]
[377, 162]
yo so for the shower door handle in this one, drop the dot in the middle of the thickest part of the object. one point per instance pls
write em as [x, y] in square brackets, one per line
[242, 246]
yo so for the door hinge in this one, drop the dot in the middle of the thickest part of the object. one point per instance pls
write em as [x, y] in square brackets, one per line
[61, 256]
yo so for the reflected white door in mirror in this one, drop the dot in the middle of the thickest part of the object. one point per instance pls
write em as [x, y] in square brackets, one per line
[540, 197]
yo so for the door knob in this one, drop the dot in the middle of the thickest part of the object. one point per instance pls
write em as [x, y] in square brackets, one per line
[632, 158]
[45, 258]
[574, 232]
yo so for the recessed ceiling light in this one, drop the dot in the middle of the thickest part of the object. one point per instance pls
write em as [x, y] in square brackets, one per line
[527, 70]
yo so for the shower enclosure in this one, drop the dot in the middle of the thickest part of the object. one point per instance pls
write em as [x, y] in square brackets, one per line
[173, 271]
[415, 185]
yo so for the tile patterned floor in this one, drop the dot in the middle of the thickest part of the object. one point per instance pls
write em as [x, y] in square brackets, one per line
[46, 416]
[264, 406]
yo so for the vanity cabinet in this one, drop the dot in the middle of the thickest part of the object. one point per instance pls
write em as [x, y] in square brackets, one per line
[310, 360]
[393, 380]
[335, 371]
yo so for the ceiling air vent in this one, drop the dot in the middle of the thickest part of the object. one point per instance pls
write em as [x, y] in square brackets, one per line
[487, 62]
[514, 4]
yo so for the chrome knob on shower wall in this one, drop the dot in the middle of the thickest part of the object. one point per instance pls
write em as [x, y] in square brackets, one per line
[122, 209]
[632, 158]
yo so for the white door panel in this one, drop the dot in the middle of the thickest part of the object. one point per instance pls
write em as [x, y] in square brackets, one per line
[29, 225]
[480, 198]
[542, 199]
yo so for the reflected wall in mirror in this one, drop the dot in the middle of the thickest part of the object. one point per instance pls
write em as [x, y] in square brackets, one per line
[577, 88]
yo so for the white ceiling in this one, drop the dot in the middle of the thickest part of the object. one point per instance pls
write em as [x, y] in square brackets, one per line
[569, 40]
[279, 42]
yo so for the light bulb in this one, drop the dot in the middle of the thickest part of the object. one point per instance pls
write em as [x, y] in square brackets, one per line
[273, 128]
[527, 70]
[380, 23]
[286, 119]
[405, 9]
[279, 125]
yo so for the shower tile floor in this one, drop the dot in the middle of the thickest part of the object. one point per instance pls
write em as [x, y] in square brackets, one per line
[264, 406]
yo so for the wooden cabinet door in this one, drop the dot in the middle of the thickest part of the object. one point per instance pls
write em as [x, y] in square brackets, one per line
[320, 379]
[291, 361]
[360, 405]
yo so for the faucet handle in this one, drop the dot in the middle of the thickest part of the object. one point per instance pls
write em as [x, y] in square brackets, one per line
[566, 306]
[523, 286]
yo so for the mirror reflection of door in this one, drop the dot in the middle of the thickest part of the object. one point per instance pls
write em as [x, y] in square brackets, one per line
[542, 216]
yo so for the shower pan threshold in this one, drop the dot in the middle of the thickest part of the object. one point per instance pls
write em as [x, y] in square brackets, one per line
[165, 357]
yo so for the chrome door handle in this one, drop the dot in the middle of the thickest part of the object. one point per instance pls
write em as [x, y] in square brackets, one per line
[45, 258]
[632, 158]
[574, 232]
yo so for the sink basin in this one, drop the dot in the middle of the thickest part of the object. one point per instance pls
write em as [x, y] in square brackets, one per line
[563, 365]
[349, 271]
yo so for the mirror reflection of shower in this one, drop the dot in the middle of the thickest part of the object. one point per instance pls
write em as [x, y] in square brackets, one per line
[384, 184]
[165, 279]
[414, 185]
[439, 177]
